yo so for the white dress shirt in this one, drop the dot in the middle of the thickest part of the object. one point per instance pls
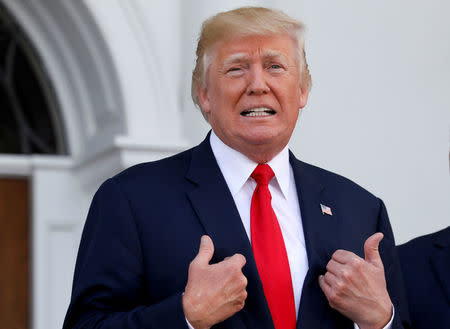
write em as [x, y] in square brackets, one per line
[236, 168]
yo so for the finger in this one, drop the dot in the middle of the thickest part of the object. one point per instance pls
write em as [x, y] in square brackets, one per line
[331, 280]
[335, 267]
[326, 288]
[371, 253]
[236, 287]
[332, 291]
[237, 260]
[343, 256]
[205, 251]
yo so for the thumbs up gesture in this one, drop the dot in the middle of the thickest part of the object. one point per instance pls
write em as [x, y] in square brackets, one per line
[356, 287]
[213, 292]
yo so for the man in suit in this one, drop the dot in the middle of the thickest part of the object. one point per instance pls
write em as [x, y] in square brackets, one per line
[425, 265]
[284, 244]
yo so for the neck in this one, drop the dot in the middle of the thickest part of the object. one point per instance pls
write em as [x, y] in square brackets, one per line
[262, 156]
[259, 153]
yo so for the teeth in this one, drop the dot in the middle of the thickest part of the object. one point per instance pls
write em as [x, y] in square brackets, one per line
[258, 112]
[259, 109]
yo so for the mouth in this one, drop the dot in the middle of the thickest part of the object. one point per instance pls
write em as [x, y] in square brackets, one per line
[258, 112]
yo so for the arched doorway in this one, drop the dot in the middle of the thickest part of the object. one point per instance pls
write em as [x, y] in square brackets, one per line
[30, 120]
[30, 123]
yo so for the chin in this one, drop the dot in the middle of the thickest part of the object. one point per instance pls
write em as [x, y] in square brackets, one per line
[263, 137]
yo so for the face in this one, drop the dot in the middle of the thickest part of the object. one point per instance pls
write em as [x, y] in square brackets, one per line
[252, 95]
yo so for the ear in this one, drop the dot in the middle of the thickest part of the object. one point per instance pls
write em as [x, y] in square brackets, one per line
[304, 93]
[203, 99]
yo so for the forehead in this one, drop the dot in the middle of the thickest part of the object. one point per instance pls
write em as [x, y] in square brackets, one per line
[247, 47]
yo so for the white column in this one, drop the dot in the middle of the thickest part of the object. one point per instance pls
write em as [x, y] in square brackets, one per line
[59, 208]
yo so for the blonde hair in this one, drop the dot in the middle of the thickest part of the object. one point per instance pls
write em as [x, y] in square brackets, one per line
[243, 22]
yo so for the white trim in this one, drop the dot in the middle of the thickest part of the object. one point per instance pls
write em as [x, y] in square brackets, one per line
[81, 69]
[22, 165]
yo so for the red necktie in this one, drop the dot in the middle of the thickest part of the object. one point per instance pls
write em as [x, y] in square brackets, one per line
[270, 252]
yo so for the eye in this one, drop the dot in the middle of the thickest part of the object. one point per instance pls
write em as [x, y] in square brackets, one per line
[275, 66]
[235, 71]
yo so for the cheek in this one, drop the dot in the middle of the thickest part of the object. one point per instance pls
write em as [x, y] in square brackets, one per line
[232, 88]
[295, 100]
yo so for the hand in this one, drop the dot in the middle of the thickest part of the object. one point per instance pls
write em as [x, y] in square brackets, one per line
[356, 287]
[213, 292]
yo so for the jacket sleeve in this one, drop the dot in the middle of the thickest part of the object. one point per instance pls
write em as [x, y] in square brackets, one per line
[394, 280]
[109, 287]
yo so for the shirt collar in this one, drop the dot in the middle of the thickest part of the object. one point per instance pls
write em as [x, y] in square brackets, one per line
[236, 168]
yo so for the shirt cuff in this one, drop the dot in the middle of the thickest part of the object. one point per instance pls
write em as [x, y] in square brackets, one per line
[191, 327]
[388, 326]
[187, 322]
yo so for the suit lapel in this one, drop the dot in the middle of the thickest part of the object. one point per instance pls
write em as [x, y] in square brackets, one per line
[440, 260]
[215, 207]
[321, 232]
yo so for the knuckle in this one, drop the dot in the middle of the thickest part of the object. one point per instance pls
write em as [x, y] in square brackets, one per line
[244, 280]
[226, 267]
[346, 275]
[241, 297]
[333, 297]
[240, 259]
[235, 272]
[356, 263]
[239, 306]
[332, 303]
[339, 286]
[241, 282]
[337, 253]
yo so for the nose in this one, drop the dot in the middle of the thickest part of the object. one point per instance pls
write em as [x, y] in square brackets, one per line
[257, 84]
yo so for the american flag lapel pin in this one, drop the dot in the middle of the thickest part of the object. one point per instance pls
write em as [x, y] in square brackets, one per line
[326, 210]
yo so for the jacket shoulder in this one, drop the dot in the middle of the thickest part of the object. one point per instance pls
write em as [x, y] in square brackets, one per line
[441, 238]
[164, 171]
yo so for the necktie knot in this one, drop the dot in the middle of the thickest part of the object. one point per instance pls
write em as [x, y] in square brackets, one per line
[262, 174]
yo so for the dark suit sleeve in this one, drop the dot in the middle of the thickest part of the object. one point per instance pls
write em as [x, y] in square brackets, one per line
[109, 288]
[392, 268]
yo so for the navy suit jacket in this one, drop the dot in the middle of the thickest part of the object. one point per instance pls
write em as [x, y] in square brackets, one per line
[144, 228]
[425, 264]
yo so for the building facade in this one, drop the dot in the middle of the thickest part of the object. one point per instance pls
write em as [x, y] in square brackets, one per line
[115, 77]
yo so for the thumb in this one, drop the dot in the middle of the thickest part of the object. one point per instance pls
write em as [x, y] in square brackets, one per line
[371, 253]
[206, 250]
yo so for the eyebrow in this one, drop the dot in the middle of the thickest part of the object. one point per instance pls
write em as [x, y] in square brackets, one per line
[273, 54]
[236, 58]
[266, 54]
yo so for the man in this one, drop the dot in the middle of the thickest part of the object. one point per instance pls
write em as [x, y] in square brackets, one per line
[425, 264]
[282, 242]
